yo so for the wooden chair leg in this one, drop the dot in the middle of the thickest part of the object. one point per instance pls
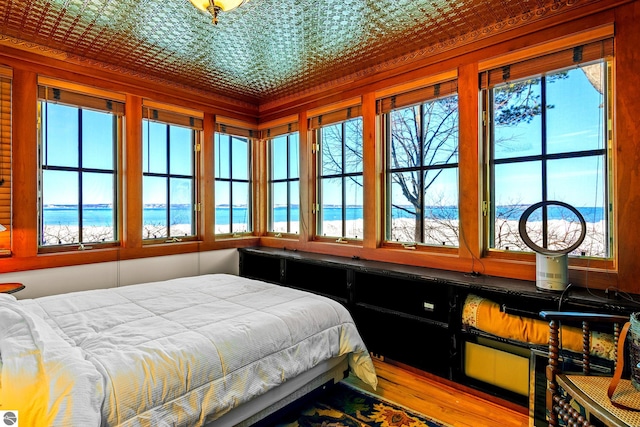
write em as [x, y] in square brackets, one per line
[552, 370]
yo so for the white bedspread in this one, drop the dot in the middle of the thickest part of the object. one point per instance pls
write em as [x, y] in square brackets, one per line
[180, 352]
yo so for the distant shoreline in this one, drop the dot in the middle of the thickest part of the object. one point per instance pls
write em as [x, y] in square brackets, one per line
[101, 214]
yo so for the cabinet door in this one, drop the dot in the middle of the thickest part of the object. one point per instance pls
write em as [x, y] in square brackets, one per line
[322, 279]
[260, 267]
[405, 339]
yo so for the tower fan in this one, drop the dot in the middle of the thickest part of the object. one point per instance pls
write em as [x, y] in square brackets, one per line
[552, 265]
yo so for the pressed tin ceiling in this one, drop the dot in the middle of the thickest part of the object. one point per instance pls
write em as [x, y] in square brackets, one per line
[266, 49]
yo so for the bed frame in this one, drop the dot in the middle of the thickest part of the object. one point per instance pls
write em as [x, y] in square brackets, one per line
[320, 377]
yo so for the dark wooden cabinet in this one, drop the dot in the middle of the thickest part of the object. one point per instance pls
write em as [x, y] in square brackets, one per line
[413, 314]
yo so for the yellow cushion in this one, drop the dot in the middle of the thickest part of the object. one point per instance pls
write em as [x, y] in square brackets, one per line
[485, 315]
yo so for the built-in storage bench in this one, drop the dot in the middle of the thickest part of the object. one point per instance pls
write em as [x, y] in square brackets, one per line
[414, 315]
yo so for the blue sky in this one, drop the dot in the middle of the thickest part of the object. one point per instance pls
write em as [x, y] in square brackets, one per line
[576, 181]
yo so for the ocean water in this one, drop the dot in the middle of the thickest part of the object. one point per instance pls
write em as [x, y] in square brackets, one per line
[101, 215]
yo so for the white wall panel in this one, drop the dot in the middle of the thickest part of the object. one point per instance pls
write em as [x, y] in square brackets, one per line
[60, 280]
[158, 268]
[50, 281]
[222, 261]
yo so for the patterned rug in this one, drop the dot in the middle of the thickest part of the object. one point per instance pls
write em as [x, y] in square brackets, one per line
[345, 406]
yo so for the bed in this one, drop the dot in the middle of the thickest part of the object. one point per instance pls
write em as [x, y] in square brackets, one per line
[206, 350]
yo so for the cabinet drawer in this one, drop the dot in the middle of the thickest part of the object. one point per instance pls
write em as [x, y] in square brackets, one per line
[415, 297]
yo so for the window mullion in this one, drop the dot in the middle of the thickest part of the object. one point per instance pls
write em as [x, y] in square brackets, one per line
[288, 160]
[421, 181]
[344, 179]
[168, 179]
[543, 133]
[80, 165]
[318, 162]
[114, 142]
[230, 145]
[249, 211]
[195, 171]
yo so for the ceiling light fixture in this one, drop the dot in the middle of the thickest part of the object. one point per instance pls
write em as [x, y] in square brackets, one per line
[215, 6]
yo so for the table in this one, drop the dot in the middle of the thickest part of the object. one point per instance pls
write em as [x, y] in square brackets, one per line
[9, 288]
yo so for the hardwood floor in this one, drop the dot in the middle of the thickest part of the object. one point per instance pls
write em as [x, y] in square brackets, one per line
[440, 400]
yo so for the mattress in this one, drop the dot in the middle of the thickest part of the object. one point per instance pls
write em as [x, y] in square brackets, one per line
[179, 352]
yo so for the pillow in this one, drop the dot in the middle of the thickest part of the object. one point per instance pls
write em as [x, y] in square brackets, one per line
[42, 377]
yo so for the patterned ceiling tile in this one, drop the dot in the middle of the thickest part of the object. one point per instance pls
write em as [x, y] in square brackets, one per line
[266, 49]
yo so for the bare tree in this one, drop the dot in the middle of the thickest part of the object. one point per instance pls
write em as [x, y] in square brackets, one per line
[424, 140]
[422, 137]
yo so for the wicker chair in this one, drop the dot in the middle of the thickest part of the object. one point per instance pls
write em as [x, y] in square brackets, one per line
[588, 390]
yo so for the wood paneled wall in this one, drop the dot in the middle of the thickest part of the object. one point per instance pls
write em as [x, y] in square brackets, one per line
[622, 273]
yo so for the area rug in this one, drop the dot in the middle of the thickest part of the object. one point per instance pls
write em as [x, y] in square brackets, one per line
[346, 406]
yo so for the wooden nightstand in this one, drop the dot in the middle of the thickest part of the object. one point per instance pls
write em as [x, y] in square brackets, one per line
[9, 288]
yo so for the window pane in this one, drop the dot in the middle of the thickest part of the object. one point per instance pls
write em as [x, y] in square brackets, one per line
[575, 110]
[181, 149]
[294, 156]
[517, 121]
[154, 147]
[240, 158]
[154, 214]
[241, 212]
[280, 207]
[98, 214]
[441, 208]
[353, 146]
[60, 218]
[440, 124]
[61, 135]
[181, 207]
[405, 138]
[294, 191]
[580, 182]
[279, 157]
[355, 224]
[331, 207]
[221, 156]
[223, 207]
[97, 139]
[331, 150]
[517, 186]
[402, 225]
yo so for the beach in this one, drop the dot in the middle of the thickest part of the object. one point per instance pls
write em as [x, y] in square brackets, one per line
[441, 232]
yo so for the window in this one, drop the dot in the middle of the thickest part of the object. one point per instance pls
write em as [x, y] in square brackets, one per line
[79, 137]
[549, 141]
[422, 165]
[284, 184]
[168, 188]
[232, 160]
[340, 178]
